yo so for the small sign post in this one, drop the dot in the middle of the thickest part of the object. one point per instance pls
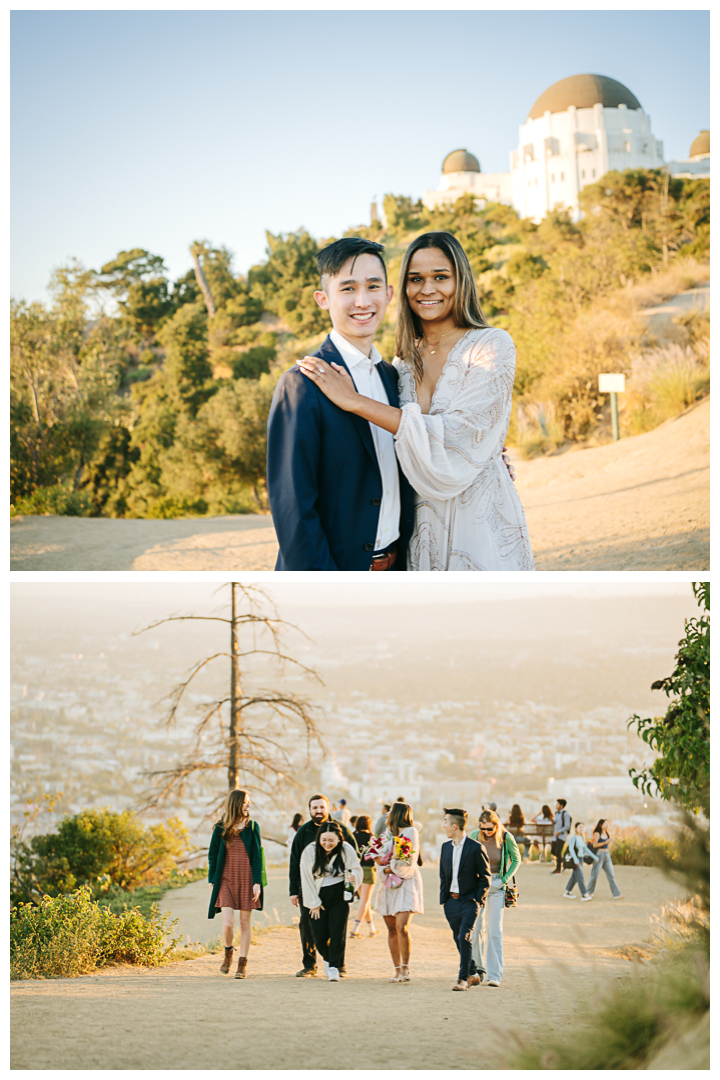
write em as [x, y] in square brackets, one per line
[612, 384]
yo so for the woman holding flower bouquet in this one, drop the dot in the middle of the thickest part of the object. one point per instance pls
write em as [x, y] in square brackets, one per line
[400, 890]
[325, 867]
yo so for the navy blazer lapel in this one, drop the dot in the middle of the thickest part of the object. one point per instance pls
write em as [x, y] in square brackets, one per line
[465, 852]
[385, 371]
[328, 352]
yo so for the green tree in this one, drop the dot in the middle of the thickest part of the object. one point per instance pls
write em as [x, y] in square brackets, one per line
[286, 282]
[682, 736]
[99, 848]
[137, 279]
[64, 376]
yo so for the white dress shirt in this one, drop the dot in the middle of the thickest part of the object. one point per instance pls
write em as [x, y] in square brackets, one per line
[456, 856]
[368, 383]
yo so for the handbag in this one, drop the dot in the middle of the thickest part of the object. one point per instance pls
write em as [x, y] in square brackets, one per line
[512, 894]
[593, 851]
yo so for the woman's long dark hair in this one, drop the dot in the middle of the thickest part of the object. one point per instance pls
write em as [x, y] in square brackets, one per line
[232, 814]
[363, 824]
[547, 812]
[400, 817]
[467, 312]
[323, 857]
[296, 822]
[516, 816]
[599, 827]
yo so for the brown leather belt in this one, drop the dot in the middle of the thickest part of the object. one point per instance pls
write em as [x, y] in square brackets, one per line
[384, 562]
[455, 895]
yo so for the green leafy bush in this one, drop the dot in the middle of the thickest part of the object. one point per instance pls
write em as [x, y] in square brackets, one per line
[70, 935]
[98, 848]
[56, 499]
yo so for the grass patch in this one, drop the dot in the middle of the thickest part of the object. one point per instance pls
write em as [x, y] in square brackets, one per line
[146, 896]
[638, 847]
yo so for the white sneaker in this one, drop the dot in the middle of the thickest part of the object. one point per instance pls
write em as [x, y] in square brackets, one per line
[333, 975]
[587, 896]
[618, 897]
[327, 967]
[493, 982]
[569, 895]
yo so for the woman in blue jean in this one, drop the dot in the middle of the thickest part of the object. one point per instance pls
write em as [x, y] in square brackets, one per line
[504, 857]
[577, 849]
[601, 844]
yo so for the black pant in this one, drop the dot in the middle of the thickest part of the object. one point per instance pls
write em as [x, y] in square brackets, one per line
[306, 939]
[330, 930]
[462, 916]
[557, 849]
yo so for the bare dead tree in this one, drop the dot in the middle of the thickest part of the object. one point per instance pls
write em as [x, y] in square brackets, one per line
[248, 739]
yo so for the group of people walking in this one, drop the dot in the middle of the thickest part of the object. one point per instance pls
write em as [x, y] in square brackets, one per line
[330, 865]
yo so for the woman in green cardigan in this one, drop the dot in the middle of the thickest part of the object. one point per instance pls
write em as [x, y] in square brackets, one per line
[235, 875]
[504, 856]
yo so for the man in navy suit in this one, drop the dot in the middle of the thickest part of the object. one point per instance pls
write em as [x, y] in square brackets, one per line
[338, 499]
[464, 884]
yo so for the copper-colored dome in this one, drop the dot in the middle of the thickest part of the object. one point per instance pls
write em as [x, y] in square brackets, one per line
[701, 144]
[583, 91]
[460, 161]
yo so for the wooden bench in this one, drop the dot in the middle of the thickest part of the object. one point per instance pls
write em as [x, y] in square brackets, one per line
[533, 831]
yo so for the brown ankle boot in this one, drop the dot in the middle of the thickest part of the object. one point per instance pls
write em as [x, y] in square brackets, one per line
[242, 964]
[225, 966]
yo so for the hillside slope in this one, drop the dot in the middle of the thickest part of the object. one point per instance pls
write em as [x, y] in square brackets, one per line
[639, 504]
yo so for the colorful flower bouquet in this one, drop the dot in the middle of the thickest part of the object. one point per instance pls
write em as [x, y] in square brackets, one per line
[386, 847]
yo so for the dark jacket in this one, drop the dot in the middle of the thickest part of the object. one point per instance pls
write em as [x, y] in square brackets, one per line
[305, 835]
[473, 874]
[216, 860]
[323, 476]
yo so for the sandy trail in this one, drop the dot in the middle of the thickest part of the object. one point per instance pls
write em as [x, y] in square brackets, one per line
[180, 1016]
[640, 504]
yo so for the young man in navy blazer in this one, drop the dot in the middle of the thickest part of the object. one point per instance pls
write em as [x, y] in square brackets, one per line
[464, 884]
[338, 499]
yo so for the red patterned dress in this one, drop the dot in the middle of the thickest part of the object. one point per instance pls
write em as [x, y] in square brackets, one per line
[236, 884]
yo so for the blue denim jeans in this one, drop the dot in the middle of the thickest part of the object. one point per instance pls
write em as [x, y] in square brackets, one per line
[604, 862]
[577, 878]
[488, 933]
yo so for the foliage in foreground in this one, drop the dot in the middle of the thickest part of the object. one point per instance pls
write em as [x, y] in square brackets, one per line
[70, 935]
[100, 849]
[628, 1026]
[682, 736]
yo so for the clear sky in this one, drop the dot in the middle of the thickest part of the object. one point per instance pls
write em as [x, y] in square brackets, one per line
[155, 128]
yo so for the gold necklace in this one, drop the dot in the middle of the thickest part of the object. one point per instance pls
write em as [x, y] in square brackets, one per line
[436, 343]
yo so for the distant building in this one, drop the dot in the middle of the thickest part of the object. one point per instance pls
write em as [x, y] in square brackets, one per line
[577, 130]
[697, 164]
[461, 175]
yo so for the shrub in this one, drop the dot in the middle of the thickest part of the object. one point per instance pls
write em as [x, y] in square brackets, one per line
[71, 935]
[56, 499]
[99, 848]
[638, 847]
[664, 381]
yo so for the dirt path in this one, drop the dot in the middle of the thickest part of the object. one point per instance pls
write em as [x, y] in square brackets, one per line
[639, 504]
[180, 1016]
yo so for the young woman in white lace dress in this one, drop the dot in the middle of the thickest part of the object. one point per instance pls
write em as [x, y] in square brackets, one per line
[456, 378]
[397, 906]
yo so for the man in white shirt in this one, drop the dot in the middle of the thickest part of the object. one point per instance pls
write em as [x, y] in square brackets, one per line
[464, 884]
[337, 496]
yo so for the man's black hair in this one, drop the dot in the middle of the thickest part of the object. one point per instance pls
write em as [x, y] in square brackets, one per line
[331, 259]
[563, 802]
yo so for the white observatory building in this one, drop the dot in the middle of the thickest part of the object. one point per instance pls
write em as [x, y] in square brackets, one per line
[577, 130]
